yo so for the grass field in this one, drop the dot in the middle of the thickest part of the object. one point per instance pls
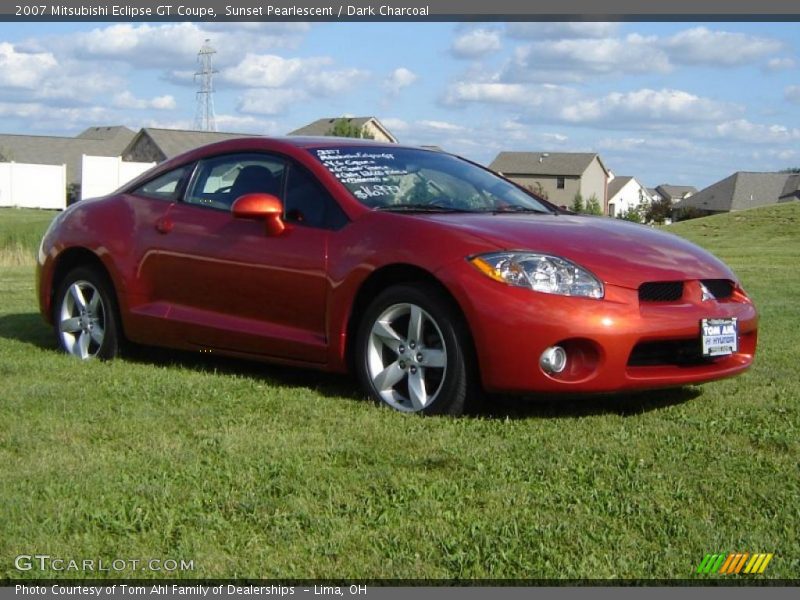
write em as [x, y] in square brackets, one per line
[254, 471]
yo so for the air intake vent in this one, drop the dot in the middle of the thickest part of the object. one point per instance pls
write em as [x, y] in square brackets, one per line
[661, 291]
[721, 288]
[681, 353]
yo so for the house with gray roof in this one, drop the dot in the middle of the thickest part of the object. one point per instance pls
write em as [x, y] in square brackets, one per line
[368, 125]
[741, 191]
[675, 193]
[69, 151]
[624, 193]
[559, 175]
[156, 145]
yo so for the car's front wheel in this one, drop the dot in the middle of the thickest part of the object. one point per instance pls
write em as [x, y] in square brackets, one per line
[412, 352]
[85, 315]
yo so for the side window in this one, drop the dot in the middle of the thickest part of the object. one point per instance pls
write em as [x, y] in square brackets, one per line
[165, 187]
[308, 203]
[219, 181]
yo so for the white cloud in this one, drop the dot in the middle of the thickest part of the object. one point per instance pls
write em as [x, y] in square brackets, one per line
[575, 51]
[399, 79]
[646, 107]
[48, 118]
[476, 43]
[570, 30]
[780, 64]
[225, 122]
[745, 131]
[271, 70]
[127, 100]
[165, 46]
[666, 146]
[514, 131]
[141, 45]
[792, 94]
[395, 125]
[34, 75]
[441, 126]
[248, 124]
[574, 59]
[275, 83]
[331, 82]
[269, 101]
[495, 93]
[24, 70]
[702, 46]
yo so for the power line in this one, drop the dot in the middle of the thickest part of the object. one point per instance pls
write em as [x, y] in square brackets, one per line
[204, 119]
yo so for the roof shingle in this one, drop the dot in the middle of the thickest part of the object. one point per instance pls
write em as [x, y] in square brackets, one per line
[56, 150]
[543, 163]
[739, 191]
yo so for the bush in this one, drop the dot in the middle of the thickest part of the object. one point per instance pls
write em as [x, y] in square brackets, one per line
[633, 214]
[593, 206]
[577, 204]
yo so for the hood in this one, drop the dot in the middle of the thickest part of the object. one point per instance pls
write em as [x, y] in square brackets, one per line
[618, 252]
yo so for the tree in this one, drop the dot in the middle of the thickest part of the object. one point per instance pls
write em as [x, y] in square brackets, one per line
[537, 188]
[344, 127]
[593, 206]
[577, 204]
[791, 170]
[633, 214]
[658, 211]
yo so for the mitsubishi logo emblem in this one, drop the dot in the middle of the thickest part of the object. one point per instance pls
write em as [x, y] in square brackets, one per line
[707, 295]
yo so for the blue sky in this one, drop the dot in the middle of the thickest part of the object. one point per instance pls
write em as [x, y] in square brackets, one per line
[680, 103]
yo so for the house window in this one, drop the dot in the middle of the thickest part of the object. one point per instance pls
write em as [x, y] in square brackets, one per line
[560, 183]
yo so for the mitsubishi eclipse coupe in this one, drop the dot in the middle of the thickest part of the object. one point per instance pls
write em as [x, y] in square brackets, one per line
[430, 278]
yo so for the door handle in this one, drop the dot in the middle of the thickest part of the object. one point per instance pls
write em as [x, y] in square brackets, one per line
[164, 225]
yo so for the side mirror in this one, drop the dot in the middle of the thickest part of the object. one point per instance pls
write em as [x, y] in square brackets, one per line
[264, 207]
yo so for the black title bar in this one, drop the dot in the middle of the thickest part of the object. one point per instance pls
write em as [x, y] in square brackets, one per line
[398, 10]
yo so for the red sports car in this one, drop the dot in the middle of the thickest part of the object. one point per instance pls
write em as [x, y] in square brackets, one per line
[428, 276]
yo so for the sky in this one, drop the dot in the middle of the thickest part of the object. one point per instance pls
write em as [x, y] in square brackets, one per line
[678, 103]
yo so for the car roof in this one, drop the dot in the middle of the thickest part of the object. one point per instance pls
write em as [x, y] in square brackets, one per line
[312, 141]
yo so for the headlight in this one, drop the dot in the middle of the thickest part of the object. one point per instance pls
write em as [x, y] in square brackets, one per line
[539, 272]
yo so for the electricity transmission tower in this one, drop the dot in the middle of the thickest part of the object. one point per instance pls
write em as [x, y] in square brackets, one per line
[204, 119]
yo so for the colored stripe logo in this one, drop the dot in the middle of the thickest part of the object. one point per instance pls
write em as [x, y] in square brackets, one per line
[735, 563]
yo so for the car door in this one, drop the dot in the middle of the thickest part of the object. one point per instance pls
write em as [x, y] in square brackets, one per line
[229, 285]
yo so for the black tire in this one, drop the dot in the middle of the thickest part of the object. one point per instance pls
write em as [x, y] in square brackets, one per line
[99, 311]
[447, 390]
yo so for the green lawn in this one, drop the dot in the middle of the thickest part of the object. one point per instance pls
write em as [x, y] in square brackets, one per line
[256, 471]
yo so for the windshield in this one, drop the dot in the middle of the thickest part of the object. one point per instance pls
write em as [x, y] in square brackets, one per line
[422, 180]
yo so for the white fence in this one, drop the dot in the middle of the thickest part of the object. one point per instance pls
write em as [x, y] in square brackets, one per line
[101, 175]
[33, 186]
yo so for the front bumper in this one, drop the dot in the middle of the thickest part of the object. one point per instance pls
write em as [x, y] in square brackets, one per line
[511, 327]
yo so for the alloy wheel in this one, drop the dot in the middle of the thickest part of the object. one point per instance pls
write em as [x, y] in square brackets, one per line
[406, 357]
[82, 320]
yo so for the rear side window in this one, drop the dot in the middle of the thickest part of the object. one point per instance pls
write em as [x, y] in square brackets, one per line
[308, 203]
[165, 187]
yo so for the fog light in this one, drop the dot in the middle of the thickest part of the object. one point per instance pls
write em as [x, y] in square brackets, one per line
[553, 360]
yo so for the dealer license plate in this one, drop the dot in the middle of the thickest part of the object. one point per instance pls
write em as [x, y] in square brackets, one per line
[719, 336]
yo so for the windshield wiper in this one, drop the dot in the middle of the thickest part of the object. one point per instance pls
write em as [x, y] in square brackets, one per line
[427, 208]
[520, 209]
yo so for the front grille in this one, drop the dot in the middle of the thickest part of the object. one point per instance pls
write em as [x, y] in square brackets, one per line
[661, 291]
[668, 352]
[721, 288]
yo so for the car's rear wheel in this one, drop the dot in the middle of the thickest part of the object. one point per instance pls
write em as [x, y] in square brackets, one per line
[412, 352]
[85, 315]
